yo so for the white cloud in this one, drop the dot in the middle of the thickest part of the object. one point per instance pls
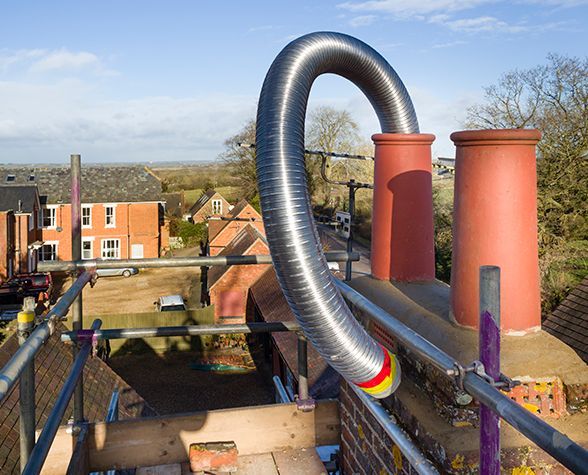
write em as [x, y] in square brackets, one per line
[41, 61]
[48, 122]
[449, 44]
[364, 20]
[412, 8]
[479, 24]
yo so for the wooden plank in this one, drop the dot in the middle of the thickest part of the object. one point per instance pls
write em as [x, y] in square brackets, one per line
[60, 454]
[162, 440]
[262, 464]
[168, 469]
[299, 462]
[78, 464]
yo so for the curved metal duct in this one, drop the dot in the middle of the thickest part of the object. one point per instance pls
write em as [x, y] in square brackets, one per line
[292, 236]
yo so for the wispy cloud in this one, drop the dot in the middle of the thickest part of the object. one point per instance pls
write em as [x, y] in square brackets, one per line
[449, 44]
[264, 28]
[410, 8]
[363, 20]
[40, 61]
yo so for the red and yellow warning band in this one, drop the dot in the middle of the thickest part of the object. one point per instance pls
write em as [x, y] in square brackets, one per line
[386, 381]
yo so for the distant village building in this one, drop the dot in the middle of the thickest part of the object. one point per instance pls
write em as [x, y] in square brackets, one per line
[222, 231]
[20, 233]
[174, 204]
[228, 286]
[122, 211]
[210, 204]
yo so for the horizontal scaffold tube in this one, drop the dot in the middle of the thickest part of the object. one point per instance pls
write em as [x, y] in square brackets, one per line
[41, 450]
[12, 370]
[188, 330]
[415, 457]
[161, 262]
[556, 444]
[292, 236]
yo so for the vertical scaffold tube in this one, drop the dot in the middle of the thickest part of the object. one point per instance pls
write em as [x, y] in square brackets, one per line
[292, 236]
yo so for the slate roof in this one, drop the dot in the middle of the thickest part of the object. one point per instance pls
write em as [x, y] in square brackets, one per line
[237, 247]
[270, 301]
[52, 365]
[174, 203]
[100, 184]
[11, 194]
[569, 321]
[200, 202]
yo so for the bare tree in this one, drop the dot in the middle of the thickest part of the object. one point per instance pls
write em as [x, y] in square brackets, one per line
[242, 159]
[554, 99]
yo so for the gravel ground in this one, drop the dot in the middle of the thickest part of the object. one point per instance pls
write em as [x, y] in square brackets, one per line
[168, 384]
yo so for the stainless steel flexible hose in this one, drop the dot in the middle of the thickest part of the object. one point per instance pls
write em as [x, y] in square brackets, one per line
[292, 235]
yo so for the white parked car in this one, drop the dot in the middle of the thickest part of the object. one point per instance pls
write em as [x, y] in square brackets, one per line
[170, 303]
[124, 271]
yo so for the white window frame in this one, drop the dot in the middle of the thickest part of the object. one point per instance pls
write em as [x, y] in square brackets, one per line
[55, 244]
[104, 247]
[106, 224]
[89, 209]
[217, 205]
[31, 221]
[54, 212]
[91, 241]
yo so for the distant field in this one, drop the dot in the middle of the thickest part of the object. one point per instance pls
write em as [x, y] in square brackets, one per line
[231, 194]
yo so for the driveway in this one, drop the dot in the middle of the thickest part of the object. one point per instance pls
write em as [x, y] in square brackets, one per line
[336, 243]
[116, 295]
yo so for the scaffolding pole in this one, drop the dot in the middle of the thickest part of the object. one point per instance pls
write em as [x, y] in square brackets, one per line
[166, 262]
[556, 444]
[76, 255]
[45, 441]
[12, 370]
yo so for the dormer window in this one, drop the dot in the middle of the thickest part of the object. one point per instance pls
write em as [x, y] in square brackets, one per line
[31, 177]
[10, 178]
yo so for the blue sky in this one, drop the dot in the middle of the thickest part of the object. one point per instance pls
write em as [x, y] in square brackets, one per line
[146, 80]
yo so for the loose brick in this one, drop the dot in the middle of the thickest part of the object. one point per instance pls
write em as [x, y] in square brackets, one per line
[215, 456]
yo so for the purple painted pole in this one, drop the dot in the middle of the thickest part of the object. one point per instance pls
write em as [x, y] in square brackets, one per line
[490, 357]
[76, 255]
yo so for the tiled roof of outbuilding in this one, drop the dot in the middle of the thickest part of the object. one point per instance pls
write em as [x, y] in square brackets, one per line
[269, 299]
[100, 184]
[569, 321]
[52, 366]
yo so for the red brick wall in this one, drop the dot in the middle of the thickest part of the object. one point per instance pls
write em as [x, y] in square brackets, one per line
[135, 223]
[237, 279]
[5, 242]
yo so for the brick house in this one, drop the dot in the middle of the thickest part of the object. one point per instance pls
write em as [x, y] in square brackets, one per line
[122, 211]
[19, 233]
[211, 203]
[222, 231]
[228, 286]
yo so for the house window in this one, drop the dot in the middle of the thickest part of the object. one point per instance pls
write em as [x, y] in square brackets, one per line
[86, 216]
[31, 221]
[31, 177]
[48, 217]
[87, 249]
[111, 249]
[110, 213]
[48, 252]
[10, 178]
[217, 206]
